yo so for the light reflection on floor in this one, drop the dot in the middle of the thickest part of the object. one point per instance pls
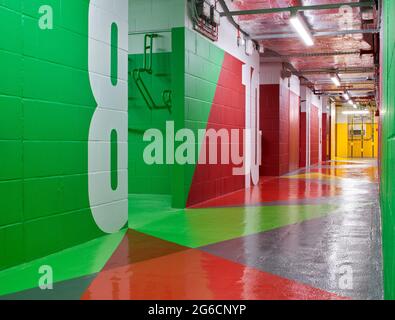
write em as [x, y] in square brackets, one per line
[291, 237]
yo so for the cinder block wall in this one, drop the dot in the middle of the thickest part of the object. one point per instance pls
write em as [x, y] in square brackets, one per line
[46, 108]
[151, 17]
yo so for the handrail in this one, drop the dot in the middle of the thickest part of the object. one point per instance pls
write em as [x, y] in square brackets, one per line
[147, 68]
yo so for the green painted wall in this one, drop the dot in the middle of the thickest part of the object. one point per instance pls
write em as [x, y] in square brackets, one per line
[202, 66]
[143, 178]
[191, 70]
[388, 148]
[178, 91]
[46, 106]
[166, 18]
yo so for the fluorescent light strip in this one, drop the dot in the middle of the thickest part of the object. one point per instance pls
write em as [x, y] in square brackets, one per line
[346, 96]
[301, 28]
[336, 80]
[356, 112]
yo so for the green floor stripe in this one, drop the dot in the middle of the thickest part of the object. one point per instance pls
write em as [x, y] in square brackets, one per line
[68, 264]
[198, 227]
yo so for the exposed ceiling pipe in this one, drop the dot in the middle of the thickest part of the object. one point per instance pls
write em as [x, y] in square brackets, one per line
[341, 90]
[315, 34]
[340, 70]
[319, 54]
[230, 18]
[297, 8]
[234, 23]
[346, 82]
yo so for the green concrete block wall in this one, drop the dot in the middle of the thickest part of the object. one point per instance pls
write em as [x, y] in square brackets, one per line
[46, 106]
[156, 14]
[167, 19]
[191, 71]
[203, 63]
[388, 148]
[143, 178]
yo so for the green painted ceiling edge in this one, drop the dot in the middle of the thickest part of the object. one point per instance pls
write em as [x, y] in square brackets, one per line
[71, 263]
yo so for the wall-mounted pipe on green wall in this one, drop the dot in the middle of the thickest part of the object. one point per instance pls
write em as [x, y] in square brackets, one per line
[147, 68]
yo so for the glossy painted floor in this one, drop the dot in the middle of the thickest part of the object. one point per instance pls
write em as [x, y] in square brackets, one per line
[314, 234]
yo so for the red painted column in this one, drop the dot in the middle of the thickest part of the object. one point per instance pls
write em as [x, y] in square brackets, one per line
[303, 138]
[279, 122]
[294, 131]
[284, 130]
[324, 137]
[270, 126]
[314, 135]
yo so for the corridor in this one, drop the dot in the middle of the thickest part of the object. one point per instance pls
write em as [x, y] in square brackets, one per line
[312, 234]
[197, 150]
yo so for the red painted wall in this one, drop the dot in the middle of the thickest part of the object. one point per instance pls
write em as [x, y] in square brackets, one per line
[303, 138]
[314, 135]
[279, 122]
[294, 131]
[284, 130]
[324, 136]
[270, 127]
[227, 111]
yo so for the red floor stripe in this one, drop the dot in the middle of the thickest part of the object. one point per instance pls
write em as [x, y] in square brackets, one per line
[194, 274]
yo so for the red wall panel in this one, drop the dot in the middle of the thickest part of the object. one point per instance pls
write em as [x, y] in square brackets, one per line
[227, 112]
[270, 127]
[279, 122]
[314, 135]
[294, 131]
[284, 130]
[303, 138]
[324, 136]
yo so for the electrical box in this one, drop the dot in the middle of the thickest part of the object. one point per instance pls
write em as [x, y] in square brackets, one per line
[215, 17]
[204, 9]
[206, 18]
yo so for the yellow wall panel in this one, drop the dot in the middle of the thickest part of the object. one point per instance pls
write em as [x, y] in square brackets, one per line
[341, 140]
[346, 148]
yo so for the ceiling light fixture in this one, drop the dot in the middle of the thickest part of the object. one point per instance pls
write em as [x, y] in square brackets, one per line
[346, 96]
[335, 79]
[356, 112]
[301, 28]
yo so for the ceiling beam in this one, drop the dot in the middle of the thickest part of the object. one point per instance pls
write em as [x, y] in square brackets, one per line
[298, 8]
[226, 13]
[339, 71]
[315, 34]
[344, 83]
[313, 54]
[341, 90]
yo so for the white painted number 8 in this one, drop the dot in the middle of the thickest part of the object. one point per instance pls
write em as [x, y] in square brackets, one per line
[107, 144]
